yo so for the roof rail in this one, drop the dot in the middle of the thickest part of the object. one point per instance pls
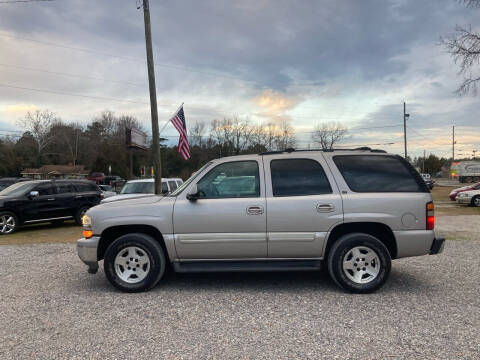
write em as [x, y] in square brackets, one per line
[290, 150]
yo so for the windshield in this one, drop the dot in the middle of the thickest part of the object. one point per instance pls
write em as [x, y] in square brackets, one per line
[190, 179]
[138, 188]
[17, 189]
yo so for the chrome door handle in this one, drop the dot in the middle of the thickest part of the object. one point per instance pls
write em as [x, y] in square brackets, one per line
[325, 207]
[255, 210]
[51, 199]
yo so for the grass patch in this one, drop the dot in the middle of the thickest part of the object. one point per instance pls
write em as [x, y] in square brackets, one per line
[68, 232]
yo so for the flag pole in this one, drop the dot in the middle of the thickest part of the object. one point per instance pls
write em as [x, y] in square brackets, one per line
[171, 117]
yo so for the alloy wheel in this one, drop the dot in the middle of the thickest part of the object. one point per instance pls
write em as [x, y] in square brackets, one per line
[7, 224]
[132, 264]
[361, 264]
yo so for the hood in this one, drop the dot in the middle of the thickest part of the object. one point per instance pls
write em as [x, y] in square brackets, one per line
[124, 197]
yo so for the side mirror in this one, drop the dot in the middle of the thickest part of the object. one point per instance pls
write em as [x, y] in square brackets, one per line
[193, 193]
[33, 194]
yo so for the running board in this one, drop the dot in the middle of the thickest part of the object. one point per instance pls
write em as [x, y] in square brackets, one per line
[241, 266]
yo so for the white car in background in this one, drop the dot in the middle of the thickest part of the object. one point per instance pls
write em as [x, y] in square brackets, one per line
[107, 191]
[470, 197]
[144, 187]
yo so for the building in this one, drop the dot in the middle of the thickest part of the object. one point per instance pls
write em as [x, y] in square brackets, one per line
[56, 172]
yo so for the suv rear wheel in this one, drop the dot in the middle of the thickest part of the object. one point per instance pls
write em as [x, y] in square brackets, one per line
[134, 262]
[359, 263]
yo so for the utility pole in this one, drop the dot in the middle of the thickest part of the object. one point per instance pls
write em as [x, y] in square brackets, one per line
[453, 143]
[405, 117]
[423, 165]
[157, 165]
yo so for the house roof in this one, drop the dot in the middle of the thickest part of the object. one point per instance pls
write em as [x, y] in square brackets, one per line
[57, 170]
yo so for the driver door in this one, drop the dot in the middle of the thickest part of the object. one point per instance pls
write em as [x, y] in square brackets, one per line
[228, 220]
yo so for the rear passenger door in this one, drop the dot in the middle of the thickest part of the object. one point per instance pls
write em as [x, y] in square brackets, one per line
[303, 204]
[65, 199]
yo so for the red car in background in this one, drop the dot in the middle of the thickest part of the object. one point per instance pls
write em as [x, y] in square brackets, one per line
[98, 177]
[455, 192]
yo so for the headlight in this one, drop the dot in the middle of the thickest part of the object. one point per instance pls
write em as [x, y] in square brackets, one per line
[86, 221]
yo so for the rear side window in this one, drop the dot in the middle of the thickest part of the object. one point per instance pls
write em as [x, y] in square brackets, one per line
[379, 173]
[297, 177]
[65, 188]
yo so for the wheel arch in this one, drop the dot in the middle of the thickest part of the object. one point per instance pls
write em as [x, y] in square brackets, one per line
[14, 212]
[114, 232]
[379, 230]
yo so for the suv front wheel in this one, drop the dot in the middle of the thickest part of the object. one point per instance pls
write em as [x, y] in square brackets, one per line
[134, 262]
[359, 263]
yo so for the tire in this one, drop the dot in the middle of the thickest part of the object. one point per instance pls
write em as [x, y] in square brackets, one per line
[8, 223]
[372, 275]
[476, 201]
[80, 212]
[147, 255]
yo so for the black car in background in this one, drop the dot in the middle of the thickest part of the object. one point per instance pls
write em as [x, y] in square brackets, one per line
[45, 201]
[7, 181]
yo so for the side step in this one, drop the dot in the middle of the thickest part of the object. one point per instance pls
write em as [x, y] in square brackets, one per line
[241, 266]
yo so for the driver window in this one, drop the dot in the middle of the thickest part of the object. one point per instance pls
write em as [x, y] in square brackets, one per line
[44, 189]
[231, 180]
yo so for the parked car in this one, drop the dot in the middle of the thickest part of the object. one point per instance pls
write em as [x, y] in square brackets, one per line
[454, 193]
[45, 201]
[469, 197]
[428, 180]
[352, 211]
[97, 177]
[143, 187]
[7, 181]
[107, 191]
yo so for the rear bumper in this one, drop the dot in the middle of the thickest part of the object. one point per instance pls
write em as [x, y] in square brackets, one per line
[87, 252]
[437, 246]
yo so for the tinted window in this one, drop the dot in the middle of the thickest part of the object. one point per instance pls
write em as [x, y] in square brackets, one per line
[65, 188]
[44, 189]
[297, 177]
[377, 173]
[231, 180]
[172, 184]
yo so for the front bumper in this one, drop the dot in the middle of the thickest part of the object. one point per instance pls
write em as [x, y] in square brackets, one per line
[437, 246]
[87, 252]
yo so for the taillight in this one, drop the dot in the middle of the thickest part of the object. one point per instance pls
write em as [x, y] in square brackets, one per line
[430, 216]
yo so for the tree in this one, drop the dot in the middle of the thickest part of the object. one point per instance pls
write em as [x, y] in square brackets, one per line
[464, 47]
[329, 134]
[38, 124]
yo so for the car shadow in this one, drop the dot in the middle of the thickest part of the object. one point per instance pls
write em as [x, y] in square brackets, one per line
[284, 282]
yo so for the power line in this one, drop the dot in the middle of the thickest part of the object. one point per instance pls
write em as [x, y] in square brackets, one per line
[76, 95]
[124, 57]
[22, 1]
[71, 75]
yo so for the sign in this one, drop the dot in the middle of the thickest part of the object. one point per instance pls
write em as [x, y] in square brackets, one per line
[136, 139]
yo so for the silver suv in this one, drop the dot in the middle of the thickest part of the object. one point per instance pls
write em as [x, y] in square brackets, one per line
[352, 210]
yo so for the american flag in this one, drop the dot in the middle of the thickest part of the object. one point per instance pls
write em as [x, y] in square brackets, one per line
[178, 120]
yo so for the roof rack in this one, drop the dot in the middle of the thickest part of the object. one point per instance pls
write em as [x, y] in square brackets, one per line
[290, 150]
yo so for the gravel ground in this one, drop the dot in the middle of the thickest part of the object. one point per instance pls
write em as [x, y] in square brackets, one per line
[51, 308]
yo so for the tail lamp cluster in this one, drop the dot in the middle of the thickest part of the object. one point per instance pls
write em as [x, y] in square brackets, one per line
[430, 216]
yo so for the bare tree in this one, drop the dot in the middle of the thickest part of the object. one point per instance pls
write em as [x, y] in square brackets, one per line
[464, 47]
[286, 136]
[196, 134]
[38, 124]
[329, 134]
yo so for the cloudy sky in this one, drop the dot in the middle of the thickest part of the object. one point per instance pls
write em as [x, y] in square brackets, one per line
[306, 61]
